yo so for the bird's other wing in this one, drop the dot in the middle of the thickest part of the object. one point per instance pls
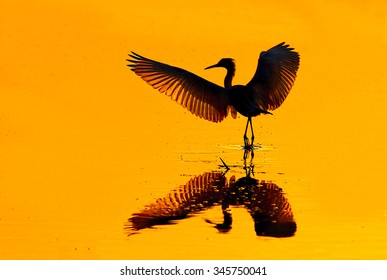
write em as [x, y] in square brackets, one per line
[275, 75]
[201, 97]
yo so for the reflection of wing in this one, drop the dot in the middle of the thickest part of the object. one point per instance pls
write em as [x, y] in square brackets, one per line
[271, 212]
[199, 192]
[267, 205]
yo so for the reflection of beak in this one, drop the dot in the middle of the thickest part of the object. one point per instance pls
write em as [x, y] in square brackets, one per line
[212, 66]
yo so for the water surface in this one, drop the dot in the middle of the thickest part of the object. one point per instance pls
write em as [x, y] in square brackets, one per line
[85, 143]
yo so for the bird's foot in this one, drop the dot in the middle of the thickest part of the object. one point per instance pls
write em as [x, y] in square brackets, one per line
[248, 146]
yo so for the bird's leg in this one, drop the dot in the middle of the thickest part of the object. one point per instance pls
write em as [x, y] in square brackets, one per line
[245, 136]
[252, 133]
[247, 145]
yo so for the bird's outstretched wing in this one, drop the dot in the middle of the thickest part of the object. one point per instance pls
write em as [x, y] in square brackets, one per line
[201, 97]
[275, 75]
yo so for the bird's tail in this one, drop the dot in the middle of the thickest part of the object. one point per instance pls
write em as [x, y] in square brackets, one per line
[266, 112]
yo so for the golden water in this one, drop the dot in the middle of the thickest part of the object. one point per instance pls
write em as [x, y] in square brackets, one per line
[85, 143]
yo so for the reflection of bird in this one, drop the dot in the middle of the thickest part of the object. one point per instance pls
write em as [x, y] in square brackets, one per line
[273, 79]
[265, 202]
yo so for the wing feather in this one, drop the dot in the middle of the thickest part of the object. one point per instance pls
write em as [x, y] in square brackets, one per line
[275, 75]
[201, 97]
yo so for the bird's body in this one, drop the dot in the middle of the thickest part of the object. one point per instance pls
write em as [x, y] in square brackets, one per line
[244, 100]
[275, 76]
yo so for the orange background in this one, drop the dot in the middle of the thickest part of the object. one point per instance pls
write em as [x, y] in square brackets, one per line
[84, 142]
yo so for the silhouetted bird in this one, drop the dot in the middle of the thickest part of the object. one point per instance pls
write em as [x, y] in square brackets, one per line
[273, 79]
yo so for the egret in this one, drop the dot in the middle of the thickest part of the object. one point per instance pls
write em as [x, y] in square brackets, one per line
[267, 90]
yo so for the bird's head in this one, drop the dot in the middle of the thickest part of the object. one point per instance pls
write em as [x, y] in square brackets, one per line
[227, 63]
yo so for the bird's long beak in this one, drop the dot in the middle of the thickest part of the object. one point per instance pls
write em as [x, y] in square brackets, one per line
[212, 66]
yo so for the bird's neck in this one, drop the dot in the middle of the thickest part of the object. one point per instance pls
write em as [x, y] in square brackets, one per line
[229, 76]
